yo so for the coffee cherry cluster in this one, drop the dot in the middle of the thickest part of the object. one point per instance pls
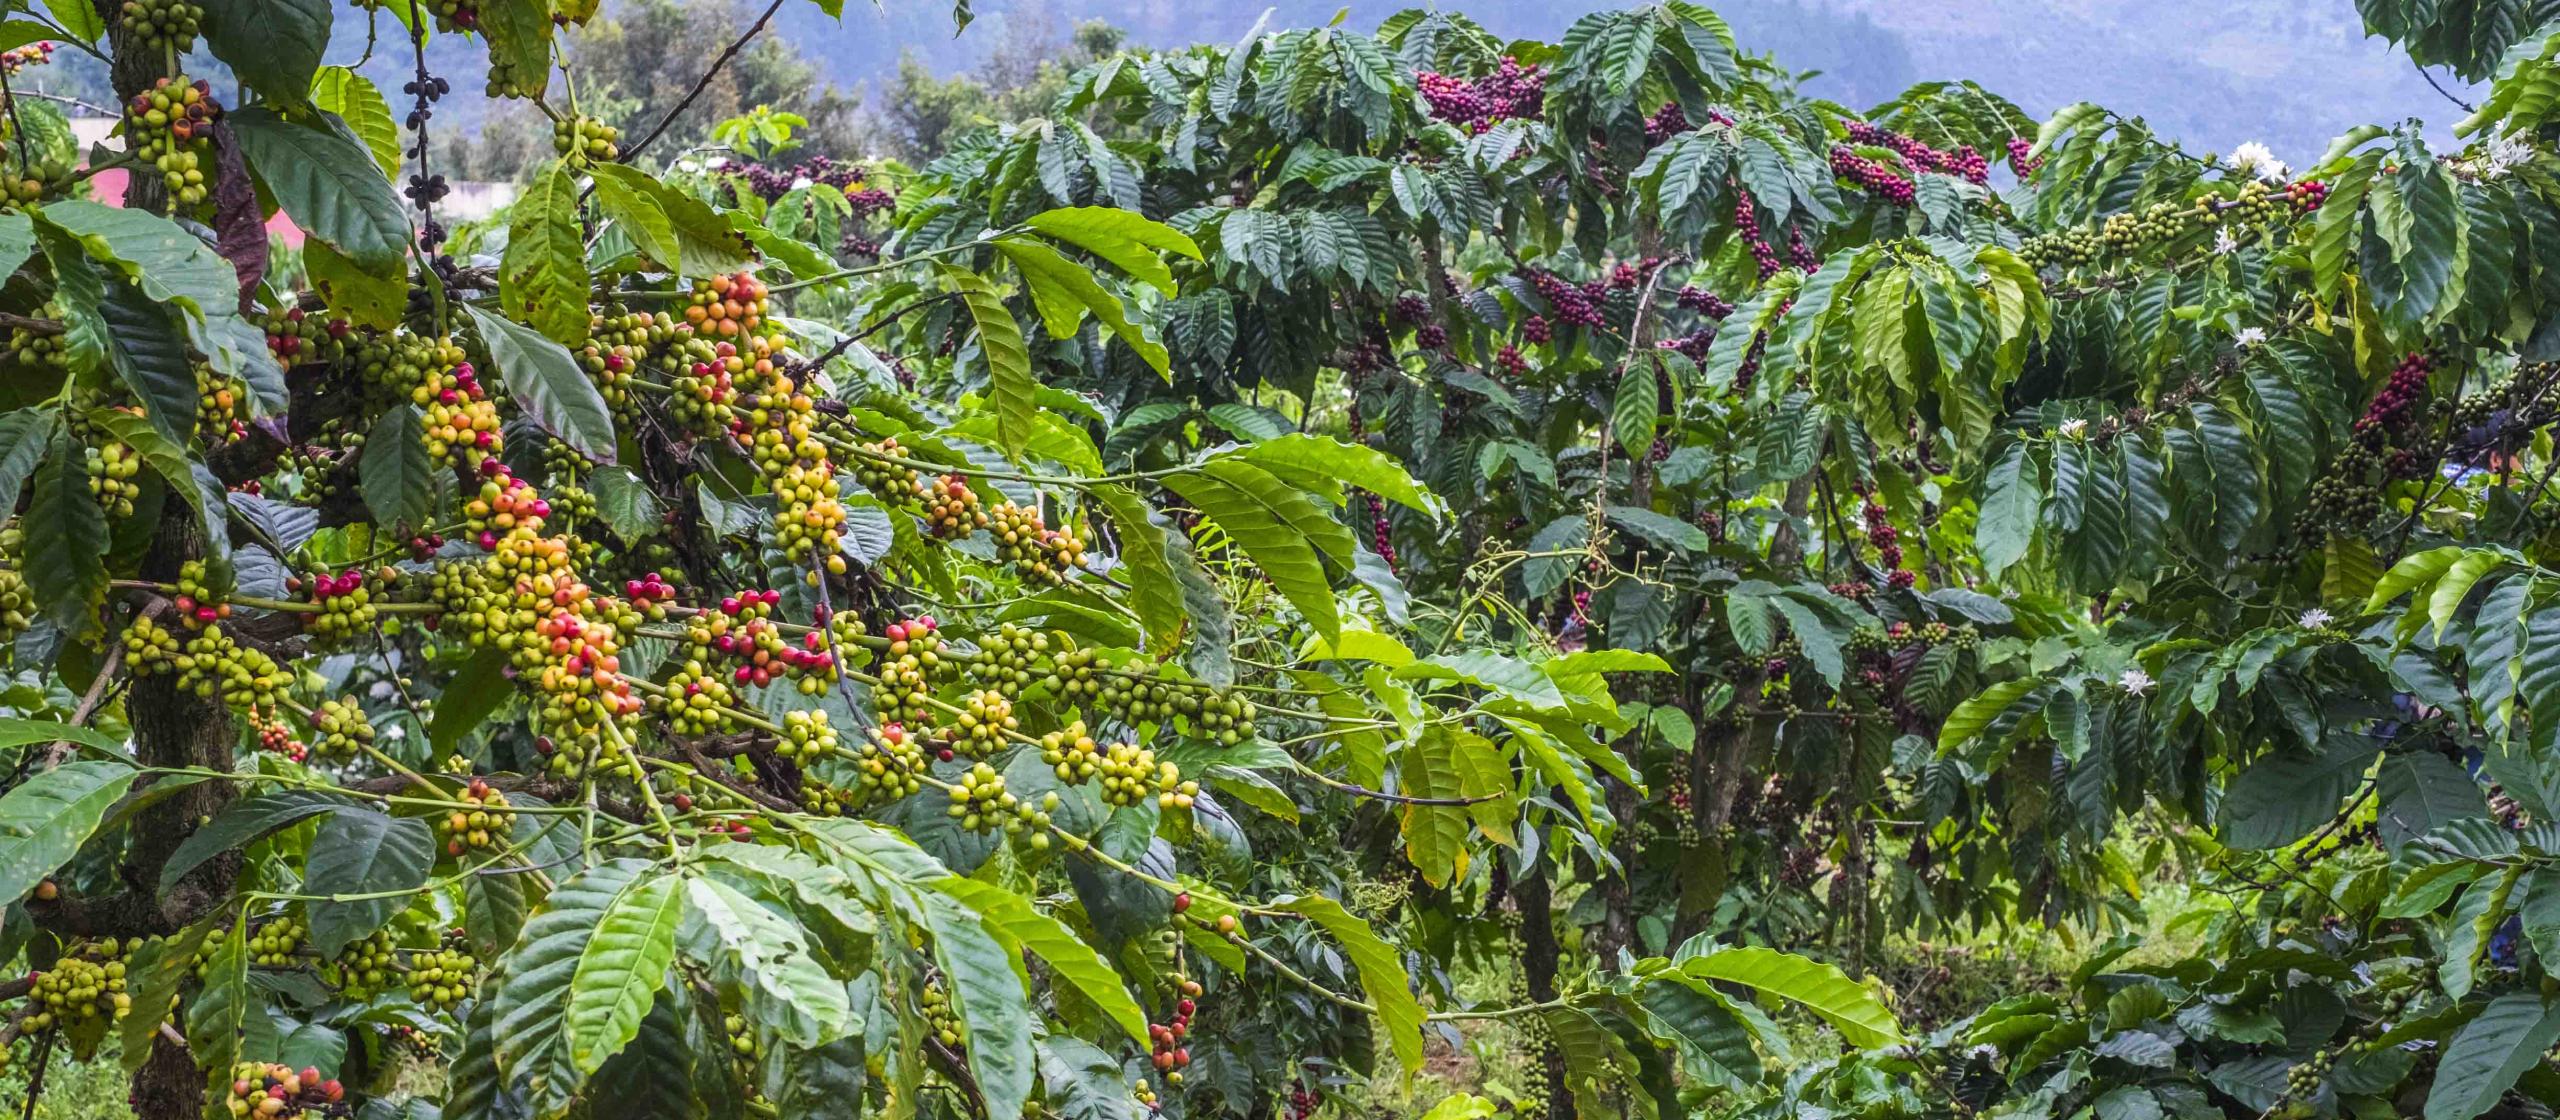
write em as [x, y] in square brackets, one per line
[809, 513]
[1665, 123]
[982, 723]
[1746, 225]
[1140, 697]
[45, 350]
[113, 471]
[267, 1091]
[366, 967]
[443, 977]
[17, 599]
[1871, 176]
[705, 396]
[1964, 162]
[86, 983]
[1024, 540]
[33, 54]
[727, 307]
[941, 1021]
[340, 729]
[979, 800]
[1704, 302]
[462, 422]
[277, 943]
[297, 337]
[170, 127]
[2398, 401]
[951, 509]
[806, 735]
[2307, 194]
[164, 24]
[1168, 1041]
[616, 346]
[1005, 661]
[912, 663]
[888, 766]
[1511, 92]
[1128, 773]
[347, 606]
[2022, 162]
[1887, 542]
[1575, 304]
[220, 401]
[482, 827]
[2303, 1081]
[584, 139]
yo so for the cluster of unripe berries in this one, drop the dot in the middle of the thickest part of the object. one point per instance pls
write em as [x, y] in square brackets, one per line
[1511, 92]
[1024, 540]
[1129, 774]
[170, 127]
[113, 469]
[295, 336]
[38, 348]
[171, 24]
[367, 966]
[17, 599]
[267, 1091]
[980, 803]
[443, 977]
[86, 983]
[585, 138]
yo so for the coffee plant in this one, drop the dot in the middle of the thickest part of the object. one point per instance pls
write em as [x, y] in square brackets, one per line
[751, 639]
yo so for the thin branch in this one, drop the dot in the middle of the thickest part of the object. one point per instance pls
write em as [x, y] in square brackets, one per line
[2431, 82]
[633, 151]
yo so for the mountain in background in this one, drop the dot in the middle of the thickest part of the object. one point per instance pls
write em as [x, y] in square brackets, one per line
[2212, 73]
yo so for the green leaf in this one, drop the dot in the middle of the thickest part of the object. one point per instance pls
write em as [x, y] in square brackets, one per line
[327, 180]
[543, 278]
[221, 1004]
[987, 994]
[2422, 791]
[1009, 382]
[2011, 497]
[358, 102]
[153, 972]
[1382, 973]
[1303, 455]
[149, 352]
[44, 821]
[245, 822]
[1153, 589]
[363, 851]
[17, 241]
[1271, 536]
[533, 982]
[549, 383]
[770, 954]
[1979, 711]
[2489, 1053]
[2282, 797]
[669, 226]
[620, 969]
[273, 45]
[25, 436]
[1012, 917]
[396, 476]
[79, 17]
[631, 510]
[469, 697]
[1063, 290]
[1635, 413]
[1859, 1016]
[1122, 237]
[65, 538]
[519, 34]
[1661, 529]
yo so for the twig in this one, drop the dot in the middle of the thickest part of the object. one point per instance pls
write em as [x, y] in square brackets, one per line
[2431, 82]
[632, 152]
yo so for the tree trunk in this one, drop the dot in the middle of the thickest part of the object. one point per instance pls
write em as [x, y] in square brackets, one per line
[1538, 961]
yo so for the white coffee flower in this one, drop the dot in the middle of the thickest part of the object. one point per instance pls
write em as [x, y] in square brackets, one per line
[2072, 428]
[2224, 244]
[2135, 681]
[2249, 336]
[2252, 157]
[2315, 619]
